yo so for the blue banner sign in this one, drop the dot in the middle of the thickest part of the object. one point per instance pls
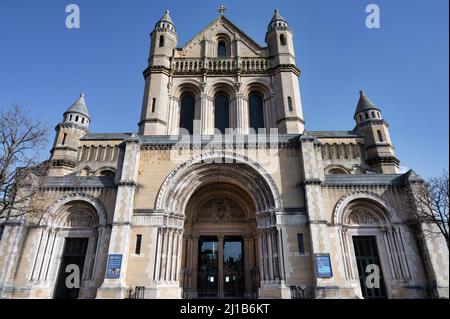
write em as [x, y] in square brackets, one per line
[114, 265]
[323, 264]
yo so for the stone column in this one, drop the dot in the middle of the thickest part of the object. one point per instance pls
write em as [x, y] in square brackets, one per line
[221, 273]
[242, 125]
[248, 257]
[207, 118]
[194, 269]
[123, 212]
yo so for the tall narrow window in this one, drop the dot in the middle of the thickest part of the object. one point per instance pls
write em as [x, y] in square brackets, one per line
[153, 105]
[221, 49]
[221, 113]
[2, 228]
[301, 244]
[161, 41]
[137, 249]
[290, 104]
[64, 139]
[380, 136]
[282, 39]
[255, 111]
[187, 113]
[76, 118]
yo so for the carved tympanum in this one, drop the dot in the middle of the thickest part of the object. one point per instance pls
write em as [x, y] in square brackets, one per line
[220, 210]
[80, 219]
[362, 216]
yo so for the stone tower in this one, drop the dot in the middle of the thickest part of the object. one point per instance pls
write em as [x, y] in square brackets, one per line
[68, 133]
[156, 94]
[280, 41]
[378, 146]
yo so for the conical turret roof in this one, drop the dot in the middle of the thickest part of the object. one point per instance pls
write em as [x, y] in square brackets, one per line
[364, 104]
[79, 107]
[166, 17]
[277, 17]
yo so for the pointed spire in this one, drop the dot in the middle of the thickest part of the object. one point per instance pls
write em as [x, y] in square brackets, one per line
[277, 22]
[166, 17]
[79, 107]
[277, 17]
[364, 104]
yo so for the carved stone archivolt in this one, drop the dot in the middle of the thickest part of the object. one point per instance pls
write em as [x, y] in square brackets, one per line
[249, 175]
[220, 210]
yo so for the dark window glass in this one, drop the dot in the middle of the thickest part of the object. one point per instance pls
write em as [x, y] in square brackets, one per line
[64, 139]
[282, 39]
[2, 228]
[221, 49]
[290, 104]
[137, 251]
[221, 113]
[380, 136]
[301, 244]
[76, 118]
[187, 113]
[153, 105]
[161, 41]
[256, 112]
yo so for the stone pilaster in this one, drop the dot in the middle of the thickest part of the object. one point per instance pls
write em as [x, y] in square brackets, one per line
[123, 212]
[314, 176]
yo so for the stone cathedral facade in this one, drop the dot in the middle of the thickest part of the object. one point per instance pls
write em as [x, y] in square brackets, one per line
[222, 192]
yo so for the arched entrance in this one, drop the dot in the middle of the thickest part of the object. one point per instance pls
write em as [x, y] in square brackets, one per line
[71, 244]
[220, 244]
[224, 207]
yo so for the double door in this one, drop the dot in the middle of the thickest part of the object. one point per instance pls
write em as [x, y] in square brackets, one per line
[220, 268]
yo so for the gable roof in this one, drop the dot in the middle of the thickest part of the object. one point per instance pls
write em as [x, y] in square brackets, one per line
[227, 23]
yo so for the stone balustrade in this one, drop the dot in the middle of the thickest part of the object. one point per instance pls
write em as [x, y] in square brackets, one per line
[220, 65]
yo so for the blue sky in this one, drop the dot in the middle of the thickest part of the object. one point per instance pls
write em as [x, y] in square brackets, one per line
[403, 66]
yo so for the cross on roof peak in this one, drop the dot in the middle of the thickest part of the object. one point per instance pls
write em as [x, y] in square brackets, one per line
[222, 9]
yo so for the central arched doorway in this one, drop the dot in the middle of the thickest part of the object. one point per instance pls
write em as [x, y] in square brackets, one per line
[220, 241]
[221, 207]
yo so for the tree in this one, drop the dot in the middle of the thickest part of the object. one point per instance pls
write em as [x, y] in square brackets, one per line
[20, 167]
[431, 205]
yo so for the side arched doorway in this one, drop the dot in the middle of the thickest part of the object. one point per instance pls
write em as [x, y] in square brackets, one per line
[71, 247]
[220, 244]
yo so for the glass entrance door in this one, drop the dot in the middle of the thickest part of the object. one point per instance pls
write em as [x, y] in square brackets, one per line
[74, 253]
[233, 268]
[208, 267]
[366, 252]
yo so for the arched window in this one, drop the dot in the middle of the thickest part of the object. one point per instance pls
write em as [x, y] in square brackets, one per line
[380, 136]
[221, 49]
[161, 41]
[290, 104]
[282, 39]
[187, 113]
[221, 112]
[255, 110]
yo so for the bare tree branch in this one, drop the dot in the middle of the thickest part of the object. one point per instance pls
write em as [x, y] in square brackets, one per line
[429, 204]
[21, 168]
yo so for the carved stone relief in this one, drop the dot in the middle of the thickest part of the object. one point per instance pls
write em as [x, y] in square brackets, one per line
[220, 210]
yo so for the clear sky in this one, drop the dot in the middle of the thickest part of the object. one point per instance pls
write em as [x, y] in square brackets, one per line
[403, 66]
